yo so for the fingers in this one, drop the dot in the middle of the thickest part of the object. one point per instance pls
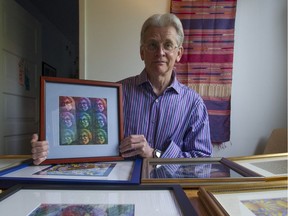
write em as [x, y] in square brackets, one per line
[132, 139]
[131, 142]
[134, 145]
[34, 138]
[39, 150]
[129, 154]
[39, 161]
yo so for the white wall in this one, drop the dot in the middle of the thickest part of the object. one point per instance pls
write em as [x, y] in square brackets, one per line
[259, 89]
[109, 50]
[112, 36]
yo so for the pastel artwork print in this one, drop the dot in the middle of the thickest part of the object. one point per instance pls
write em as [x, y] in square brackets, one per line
[269, 207]
[79, 169]
[83, 120]
[84, 209]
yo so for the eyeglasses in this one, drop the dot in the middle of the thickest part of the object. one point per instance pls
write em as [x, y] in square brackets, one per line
[167, 47]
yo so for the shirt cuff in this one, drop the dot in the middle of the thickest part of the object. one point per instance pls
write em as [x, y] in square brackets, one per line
[172, 151]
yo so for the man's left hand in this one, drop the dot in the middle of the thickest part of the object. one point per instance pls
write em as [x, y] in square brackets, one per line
[135, 145]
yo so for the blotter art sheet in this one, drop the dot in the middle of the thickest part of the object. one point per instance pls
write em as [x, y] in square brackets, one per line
[84, 209]
[79, 169]
[260, 207]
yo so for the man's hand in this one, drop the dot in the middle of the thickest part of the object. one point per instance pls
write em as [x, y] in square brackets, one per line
[39, 149]
[135, 145]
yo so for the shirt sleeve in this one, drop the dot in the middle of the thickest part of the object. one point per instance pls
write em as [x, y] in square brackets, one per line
[196, 142]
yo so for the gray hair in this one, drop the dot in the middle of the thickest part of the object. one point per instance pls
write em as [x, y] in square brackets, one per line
[163, 20]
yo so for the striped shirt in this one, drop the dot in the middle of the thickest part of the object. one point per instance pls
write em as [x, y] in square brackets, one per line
[175, 122]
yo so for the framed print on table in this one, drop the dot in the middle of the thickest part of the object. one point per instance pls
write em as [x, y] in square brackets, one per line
[268, 198]
[81, 119]
[194, 171]
[95, 200]
[10, 161]
[112, 172]
[271, 166]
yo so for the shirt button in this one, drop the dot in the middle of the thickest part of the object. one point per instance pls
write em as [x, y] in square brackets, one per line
[156, 100]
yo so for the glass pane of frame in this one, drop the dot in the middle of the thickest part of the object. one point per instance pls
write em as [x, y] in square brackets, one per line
[81, 118]
[96, 200]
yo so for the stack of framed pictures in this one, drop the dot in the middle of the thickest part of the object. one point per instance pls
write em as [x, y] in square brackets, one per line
[82, 122]
[195, 172]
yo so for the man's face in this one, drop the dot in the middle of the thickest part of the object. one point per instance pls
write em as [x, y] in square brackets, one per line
[100, 121]
[84, 138]
[84, 121]
[68, 105]
[83, 105]
[160, 61]
[68, 138]
[67, 121]
[100, 138]
[100, 106]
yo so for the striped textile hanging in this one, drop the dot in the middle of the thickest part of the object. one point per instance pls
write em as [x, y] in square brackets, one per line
[207, 63]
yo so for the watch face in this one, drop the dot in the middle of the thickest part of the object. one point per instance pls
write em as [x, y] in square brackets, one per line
[157, 153]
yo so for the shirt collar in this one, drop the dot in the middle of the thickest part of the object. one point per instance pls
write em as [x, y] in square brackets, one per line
[143, 79]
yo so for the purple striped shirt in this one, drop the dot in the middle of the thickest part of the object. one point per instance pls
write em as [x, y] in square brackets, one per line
[175, 122]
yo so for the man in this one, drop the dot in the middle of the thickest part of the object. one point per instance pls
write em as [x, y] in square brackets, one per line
[162, 117]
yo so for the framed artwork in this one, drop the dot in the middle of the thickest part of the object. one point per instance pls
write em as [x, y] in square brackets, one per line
[271, 166]
[48, 70]
[81, 119]
[112, 172]
[268, 198]
[9, 161]
[194, 171]
[95, 200]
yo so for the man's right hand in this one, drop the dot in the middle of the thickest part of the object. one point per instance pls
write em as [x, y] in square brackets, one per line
[39, 149]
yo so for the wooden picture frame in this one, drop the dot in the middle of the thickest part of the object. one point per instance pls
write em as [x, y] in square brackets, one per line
[271, 166]
[8, 162]
[121, 200]
[267, 198]
[81, 119]
[194, 171]
[112, 172]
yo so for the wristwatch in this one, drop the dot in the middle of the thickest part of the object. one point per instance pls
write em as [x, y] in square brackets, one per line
[157, 153]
